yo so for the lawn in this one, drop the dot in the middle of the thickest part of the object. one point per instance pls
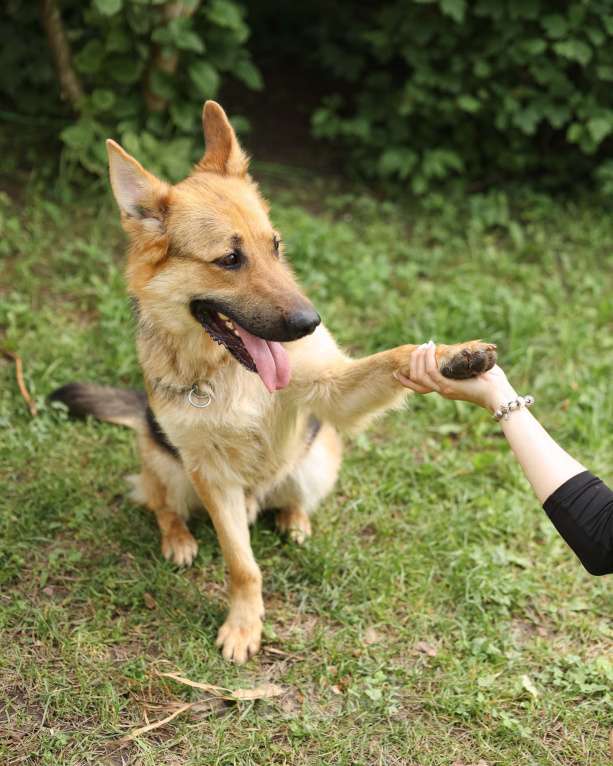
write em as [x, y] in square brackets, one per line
[434, 618]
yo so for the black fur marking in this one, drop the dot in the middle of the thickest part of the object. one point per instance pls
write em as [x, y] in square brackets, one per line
[157, 434]
[103, 402]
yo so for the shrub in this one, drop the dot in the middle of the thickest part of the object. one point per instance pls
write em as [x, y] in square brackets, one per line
[140, 70]
[434, 88]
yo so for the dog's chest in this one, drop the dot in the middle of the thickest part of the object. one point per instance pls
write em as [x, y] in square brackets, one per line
[249, 445]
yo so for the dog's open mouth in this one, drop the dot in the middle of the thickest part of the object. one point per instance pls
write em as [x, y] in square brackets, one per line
[266, 357]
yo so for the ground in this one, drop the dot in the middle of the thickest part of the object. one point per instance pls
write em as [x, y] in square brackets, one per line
[434, 618]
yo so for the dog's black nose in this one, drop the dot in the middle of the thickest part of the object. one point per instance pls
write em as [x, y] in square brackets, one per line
[302, 322]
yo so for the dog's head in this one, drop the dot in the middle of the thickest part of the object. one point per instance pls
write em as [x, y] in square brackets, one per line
[204, 251]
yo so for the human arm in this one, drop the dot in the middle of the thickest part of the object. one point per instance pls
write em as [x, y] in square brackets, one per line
[578, 504]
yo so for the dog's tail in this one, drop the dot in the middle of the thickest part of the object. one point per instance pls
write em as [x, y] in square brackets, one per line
[123, 406]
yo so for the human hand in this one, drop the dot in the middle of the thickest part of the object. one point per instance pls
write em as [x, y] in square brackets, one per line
[488, 390]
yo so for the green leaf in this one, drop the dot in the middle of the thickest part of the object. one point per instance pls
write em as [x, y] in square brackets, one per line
[108, 7]
[575, 132]
[534, 46]
[103, 99]
[179, 33]
[575, 50]
[125, 69]
[78, 136]
[397, 161]
[555, 25]
[89, 59]
[246, 71]
[605, 73]
[163, 85]
[599, 128]
[527, 119]
[190, 41]
[224, 13]
[469, 103]
[454, 8]
[183, 115]
[205, 77]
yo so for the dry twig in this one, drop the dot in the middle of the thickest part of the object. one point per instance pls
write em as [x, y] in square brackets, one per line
[20, 381]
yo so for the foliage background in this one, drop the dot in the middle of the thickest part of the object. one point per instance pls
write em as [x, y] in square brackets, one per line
[412, 92]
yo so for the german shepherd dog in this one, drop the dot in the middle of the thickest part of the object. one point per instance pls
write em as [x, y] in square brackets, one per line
[246, 390]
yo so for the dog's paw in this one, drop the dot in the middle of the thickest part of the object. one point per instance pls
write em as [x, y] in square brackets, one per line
[294, 523]
[179, 546]
[467, 360]
[239, 638]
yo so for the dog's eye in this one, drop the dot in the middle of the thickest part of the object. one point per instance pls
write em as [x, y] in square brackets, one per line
[276, 243]
[233, 260]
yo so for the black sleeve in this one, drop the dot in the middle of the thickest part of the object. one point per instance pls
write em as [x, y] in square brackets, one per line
[581, 510]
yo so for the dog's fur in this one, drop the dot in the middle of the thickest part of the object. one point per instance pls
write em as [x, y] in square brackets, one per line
[249, 449]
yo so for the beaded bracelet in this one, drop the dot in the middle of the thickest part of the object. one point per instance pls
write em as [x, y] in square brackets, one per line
[504, 411]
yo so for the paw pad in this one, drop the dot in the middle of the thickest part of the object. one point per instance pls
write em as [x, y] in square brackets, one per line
[470, 362]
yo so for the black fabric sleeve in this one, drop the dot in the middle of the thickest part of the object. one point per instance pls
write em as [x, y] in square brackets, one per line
[581, 510]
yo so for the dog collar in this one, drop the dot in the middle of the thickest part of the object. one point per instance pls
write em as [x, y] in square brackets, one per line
[199, 395]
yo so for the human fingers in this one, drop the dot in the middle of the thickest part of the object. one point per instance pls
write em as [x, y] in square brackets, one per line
[423, 364]
[408, 383]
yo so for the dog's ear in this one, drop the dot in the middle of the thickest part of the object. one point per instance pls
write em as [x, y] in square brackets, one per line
[223, 153]
[139, 194]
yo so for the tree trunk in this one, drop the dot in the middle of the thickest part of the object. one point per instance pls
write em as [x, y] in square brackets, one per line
[70, 85]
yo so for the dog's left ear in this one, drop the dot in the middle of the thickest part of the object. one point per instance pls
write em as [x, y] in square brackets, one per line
[223, 153]
[139, 194]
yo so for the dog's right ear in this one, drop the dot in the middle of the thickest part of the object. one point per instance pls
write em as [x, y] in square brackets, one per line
[223, 153]
[139, 194]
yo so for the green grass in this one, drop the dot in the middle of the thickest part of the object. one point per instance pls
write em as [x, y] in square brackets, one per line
[434, 594]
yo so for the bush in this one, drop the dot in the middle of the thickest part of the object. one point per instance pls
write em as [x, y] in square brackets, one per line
[142, 69]
[434, 88]
[414, 91]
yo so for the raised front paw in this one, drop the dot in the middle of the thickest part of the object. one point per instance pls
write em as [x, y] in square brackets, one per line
[239, 637]
[467, 360]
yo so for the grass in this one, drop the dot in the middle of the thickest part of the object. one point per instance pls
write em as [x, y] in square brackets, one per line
[434, 618]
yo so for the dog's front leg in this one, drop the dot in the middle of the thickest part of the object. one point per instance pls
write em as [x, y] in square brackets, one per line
[239, 636]
[350, 391]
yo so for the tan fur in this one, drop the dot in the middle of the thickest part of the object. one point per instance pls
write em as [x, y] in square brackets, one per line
[247, 449]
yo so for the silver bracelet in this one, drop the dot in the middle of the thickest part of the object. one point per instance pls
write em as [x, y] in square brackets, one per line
[503, 412]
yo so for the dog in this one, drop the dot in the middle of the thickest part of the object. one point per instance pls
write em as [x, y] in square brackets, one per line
[246, 390]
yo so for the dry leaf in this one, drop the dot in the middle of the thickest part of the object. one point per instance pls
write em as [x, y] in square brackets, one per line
[371, 636]
[259, 693]
[335, 689]
[425, 648]
[150, 602]
[526, 682]
[218, 691]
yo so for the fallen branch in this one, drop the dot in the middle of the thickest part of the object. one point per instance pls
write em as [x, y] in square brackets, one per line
[20, 381]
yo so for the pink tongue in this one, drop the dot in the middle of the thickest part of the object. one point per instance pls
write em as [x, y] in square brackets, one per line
[270, 359]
